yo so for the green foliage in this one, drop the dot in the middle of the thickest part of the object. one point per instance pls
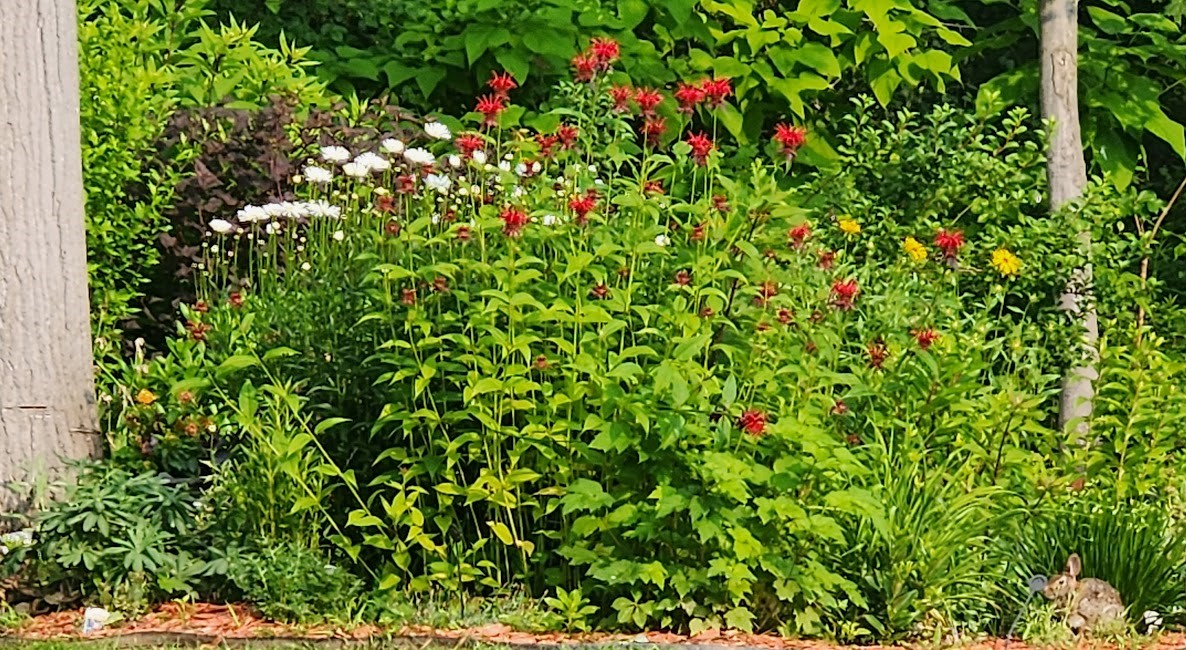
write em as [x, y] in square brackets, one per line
[1136, 547]
[782, 56]
[139, 61]
[126, 539]
[293, 583]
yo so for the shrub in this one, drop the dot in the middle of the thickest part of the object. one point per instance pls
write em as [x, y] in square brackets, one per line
[139, 61]
[124, 538]
[293, 583]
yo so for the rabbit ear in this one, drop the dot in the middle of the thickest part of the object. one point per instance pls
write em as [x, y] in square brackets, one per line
[1074, 565]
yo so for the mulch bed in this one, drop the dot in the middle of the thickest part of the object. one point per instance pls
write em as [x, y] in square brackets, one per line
[207, 624]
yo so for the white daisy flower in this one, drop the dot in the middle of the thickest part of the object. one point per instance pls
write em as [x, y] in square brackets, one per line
[372, 161]
[479, 157]
[271, 228]
[221, 226]
[550, 220]
[419, 156]
[324, 209]
[251, 214]
[504, 166]
[339, 235]
[306, 266]
[336, 155]
[438, 182]
[274, 210]
[521, 169]
[438, 131]
[662, 241]
[318, 175]
[536, 167]
[454, 161]
[392, 146]
[355, 170]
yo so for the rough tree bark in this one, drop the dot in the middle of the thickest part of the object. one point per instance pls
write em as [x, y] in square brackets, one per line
[47, 397]
[1067, 174]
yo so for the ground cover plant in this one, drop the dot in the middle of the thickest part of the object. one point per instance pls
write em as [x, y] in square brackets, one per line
[611, 362]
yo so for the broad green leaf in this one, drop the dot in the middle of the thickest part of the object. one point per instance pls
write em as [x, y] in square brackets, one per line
[501, 532]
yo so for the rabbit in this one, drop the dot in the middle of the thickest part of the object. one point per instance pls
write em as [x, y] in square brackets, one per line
[1087, 603]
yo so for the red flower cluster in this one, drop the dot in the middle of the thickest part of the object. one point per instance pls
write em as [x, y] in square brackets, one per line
[716, 90]
[502, 84]
[766, 291]
[925, 337]
[844, 293]
[789, 138]
[950, 242]
[647, 99]
[468, 143]
[786, 316]
[699, 231]
[235, 299]
[513, 221]
[701, 146]
[600, 291]
[654, 128]
[568, 135]
[408, 297]
[405, 184]
[683, 278]
[491, 106]
[599, 57]
[827, 259]
[798, 235]
[878, 353]
[753, 422]
[463, 233]
[653, 187]
[546, 142]
[689, 97]
[583, 205]
[621, 95]
[720, 203]
[197, 330]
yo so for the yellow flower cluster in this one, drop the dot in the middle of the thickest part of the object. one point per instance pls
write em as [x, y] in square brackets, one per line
[915, 249]
[1006, 263]
[145, 397]
[850, 226]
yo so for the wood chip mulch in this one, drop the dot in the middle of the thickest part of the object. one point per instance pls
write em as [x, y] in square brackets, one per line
[210, 623]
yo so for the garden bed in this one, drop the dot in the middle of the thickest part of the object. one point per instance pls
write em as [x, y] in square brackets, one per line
[178, 624]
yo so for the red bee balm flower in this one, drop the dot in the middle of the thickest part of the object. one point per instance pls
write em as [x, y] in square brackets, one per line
[235, 299]
[621, 96]
[786, 316]
[720, 203]
[654, 128]
[408, 297]
[463, 233]
[501, 83]
[600, 291]
[753, 422]
[766, 291]
[582, 206]
[584, 66]
[201, 307]
[688, 97]
[701, 146]
[653, 187]
[605, 51]
[878, 353]
[513, 221]
[925, 337]
[546, 142]
[683, 278]
[568, 135]
[699, 231]
[950, 242]
[541, 362]
[491, 106]
[716, 90]
[468, 143]
[790, 138]
[647, 99]
[844, 293]
[799, 235]
[827, 259]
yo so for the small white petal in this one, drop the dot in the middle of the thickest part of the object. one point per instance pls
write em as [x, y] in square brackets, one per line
[221, 226]
[419, 156]
[392, 146]
[454, 161]
[438, 131]
[662, 241]
[335, 155]
[339, 235]
[355, 170]
[318, 175]
[479, 157]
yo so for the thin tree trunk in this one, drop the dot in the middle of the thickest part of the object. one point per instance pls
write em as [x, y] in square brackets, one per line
[1067, 174]
[47, 396]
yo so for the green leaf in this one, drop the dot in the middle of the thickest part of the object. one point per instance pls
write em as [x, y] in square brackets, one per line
[1107, 21]
[236, 362]
[809, 9]
[515, 63]
[820, 58]
[501, 532]
[327, 424]
[397, 73]
[362, 519]
[740, 618]
[427, 79]
[279, 353]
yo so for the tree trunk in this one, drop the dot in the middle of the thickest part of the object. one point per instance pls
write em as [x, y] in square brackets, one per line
[1067, 174]
[47, 395]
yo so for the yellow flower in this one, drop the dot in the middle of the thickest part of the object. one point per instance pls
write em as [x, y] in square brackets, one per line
[850, 226]
[145, 397]
[1005, 262]
[915, 249]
